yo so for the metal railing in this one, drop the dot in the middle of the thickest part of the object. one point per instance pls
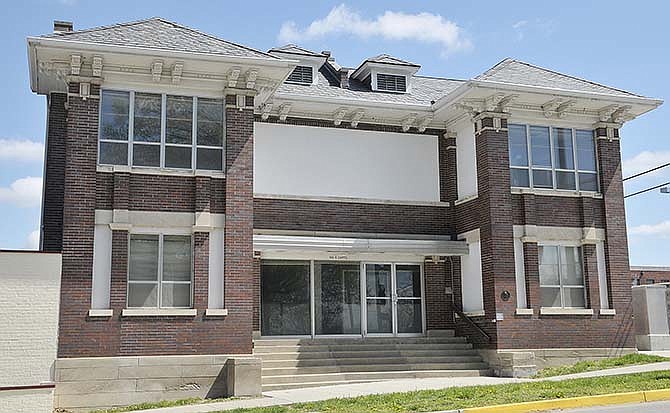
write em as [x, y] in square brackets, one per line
[470, 322]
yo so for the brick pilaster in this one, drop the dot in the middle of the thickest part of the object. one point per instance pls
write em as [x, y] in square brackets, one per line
[238, 233]
[496, 231]
[616, 244]
[54, 174]
[200, 270]
[591, 281]
[532, 272]
[257, 295]
[119, 275]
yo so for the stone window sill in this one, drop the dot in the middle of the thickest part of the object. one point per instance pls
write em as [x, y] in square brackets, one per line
[607, 311]
[216, 312]
[557, 192]
[100, 312]
[159, 312]
[565, 311]
[524, 311]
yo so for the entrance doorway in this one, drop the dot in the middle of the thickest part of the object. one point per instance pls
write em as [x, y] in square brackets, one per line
[394, 299]
[335, 298]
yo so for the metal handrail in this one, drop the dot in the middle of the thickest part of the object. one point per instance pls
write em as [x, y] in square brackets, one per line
[467, 319]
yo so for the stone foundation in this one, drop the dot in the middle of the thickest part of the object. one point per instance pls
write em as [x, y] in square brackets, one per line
[526, 362]
[83, 384]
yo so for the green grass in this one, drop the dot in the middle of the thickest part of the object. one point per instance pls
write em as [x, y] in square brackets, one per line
[475, 396]
[155, 405]
[582, 366]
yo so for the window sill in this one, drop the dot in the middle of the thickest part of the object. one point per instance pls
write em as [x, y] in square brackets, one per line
[524, 311]
[150, 170]
[216, 312]
[557, 192]
[565, 311]
[479, 313]
[100, 312]
[607, 311]
[158, 312]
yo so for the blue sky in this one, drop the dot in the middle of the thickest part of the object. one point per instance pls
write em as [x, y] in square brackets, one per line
[621, 44]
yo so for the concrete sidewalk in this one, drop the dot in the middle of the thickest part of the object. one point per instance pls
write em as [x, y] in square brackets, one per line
[284, 397]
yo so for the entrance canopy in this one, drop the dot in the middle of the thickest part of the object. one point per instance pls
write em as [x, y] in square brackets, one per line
[344, 248]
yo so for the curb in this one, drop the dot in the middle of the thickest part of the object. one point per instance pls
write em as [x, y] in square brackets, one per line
[573, 402]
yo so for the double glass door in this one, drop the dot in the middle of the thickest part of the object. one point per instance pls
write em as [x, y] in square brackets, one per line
[393, 299]
[326, 298]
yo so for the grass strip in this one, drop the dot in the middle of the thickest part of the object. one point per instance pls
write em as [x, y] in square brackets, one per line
[163, 403]
[477, 396]
[610, 363]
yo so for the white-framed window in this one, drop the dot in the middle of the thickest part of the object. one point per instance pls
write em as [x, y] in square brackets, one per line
[561, 276]
[302, 74]
[160, 130]
[552, 158]
[160, 271]
[391, 83]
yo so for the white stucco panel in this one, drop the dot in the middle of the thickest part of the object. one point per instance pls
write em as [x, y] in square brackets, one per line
[332, 162]
[471, 279]
[466, 159]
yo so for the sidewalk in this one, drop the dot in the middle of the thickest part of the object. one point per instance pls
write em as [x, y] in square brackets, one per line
[283, 397]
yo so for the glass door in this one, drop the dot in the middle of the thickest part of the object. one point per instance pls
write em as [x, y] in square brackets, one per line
[379, 304]
[409, 305]
[394, 299]
[337, 298]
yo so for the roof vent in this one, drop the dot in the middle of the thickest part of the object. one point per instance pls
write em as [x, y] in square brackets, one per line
[62, 26]
[326, 53]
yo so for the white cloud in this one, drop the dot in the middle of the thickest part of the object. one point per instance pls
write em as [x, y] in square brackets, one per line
[21, 150]
[24, 192]
[540, 26]
[33, 240]
[341, 20]
[644, 161]
[518, 28]
[662, 229]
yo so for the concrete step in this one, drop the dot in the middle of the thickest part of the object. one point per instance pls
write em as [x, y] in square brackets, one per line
[266, 342]
[373, 368]
[469, 357]
[453, 350]
[368, 376]
[289, 386]
[360, 347]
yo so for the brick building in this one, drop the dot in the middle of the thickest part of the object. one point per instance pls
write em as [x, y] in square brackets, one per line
[649, 274]
[207, 196]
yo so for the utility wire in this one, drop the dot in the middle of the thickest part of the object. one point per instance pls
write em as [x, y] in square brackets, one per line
[646, 172]
[646, 190]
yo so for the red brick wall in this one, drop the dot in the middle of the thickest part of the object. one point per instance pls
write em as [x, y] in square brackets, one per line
[86, 190]
[641, 275]
[54, 174]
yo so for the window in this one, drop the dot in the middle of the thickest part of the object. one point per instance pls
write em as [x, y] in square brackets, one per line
[301, 74]
[561, 277]
[114, 119]
[159, 271]
[164, 131]
[392, 83]
[552, 158]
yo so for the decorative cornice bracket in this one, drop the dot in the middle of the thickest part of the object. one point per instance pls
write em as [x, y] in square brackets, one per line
[423, 123]
[177, 71]
[356, 117]
[283, 111]
[408, 122]
[75, 64]
[339, 115]
[233, 76]
[157, 70]
[266, 110]
[251, 77]
[96, 66]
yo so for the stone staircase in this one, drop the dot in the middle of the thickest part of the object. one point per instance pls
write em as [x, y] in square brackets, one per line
[297, 363]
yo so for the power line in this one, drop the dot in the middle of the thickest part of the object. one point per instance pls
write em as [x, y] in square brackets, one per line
[646, 172]
[646, 190]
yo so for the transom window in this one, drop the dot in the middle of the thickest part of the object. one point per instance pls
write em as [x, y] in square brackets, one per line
[561, 277]
[160, 271]
[301, 74]
[159, 130]
[552, 158]
[392, 83]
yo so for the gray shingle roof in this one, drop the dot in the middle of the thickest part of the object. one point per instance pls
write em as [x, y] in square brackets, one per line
[294, 49]
[157, 33]
[522, 73]
[423, 91]
[385, 58]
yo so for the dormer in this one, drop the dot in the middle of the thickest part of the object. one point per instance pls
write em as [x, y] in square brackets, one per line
[386, 73]
[309, 63]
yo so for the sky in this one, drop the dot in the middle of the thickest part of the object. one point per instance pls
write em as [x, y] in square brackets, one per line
[617, 43]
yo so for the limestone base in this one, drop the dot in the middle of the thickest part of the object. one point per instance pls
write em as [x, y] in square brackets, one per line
[84, 384]
[526, 362]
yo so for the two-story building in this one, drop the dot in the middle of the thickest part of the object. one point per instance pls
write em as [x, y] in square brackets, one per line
[213, 201]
